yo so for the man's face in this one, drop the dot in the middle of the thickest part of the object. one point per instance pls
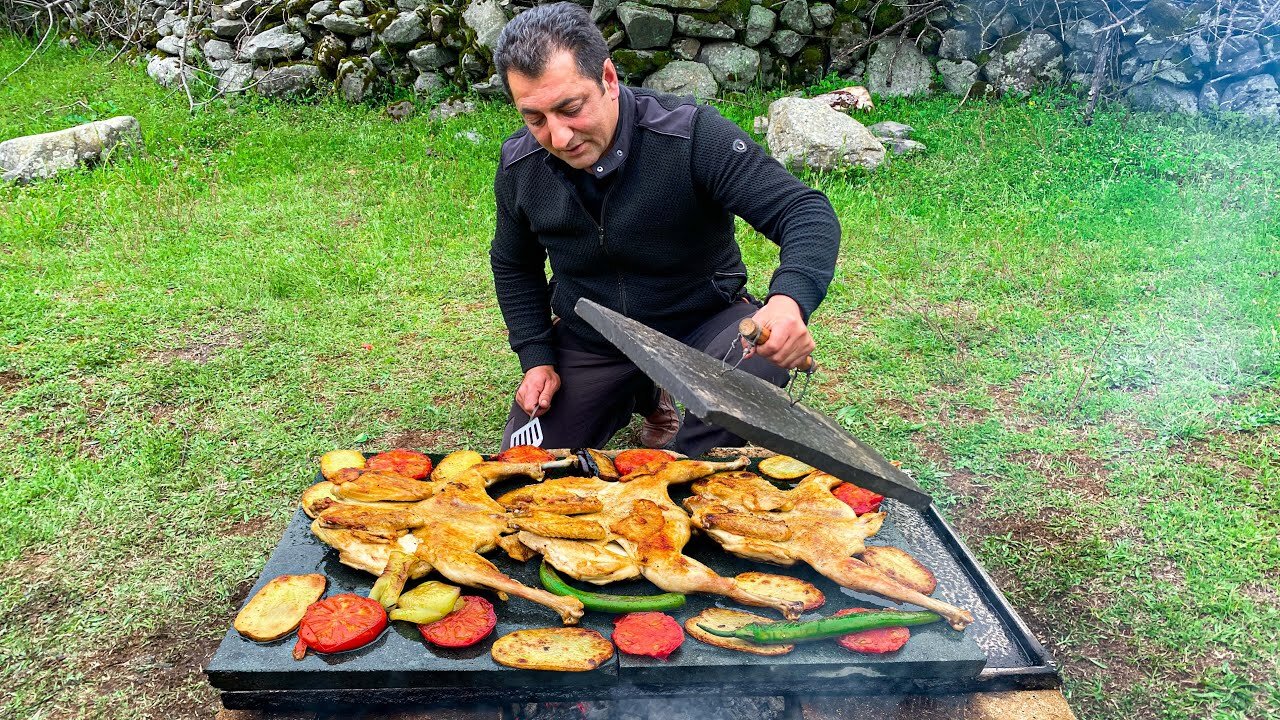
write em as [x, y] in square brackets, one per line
[569, 115]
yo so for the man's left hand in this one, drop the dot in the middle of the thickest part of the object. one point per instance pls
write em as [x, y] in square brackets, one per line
[789, 340]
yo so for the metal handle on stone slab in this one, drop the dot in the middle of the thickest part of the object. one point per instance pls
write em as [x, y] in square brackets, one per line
[757, 334]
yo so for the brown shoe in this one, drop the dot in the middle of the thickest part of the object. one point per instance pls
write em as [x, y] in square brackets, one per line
[661, 426]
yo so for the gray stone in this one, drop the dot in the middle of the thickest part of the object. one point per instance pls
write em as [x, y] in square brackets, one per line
[615, 40]
[681, 77]
[228, 28]
[487, 19]
[169, 71]
[237, 77]
[351, 7]
[891, 129]
[823, 15]
[174, 45]
[346, 25]
[961, 43]
[854, 97]
[686, 48]
[810, 134]
[428, 83]
[406, 29]
[795, 15]
[274, 45]
[899, 147]
[36, 157]
[1257, 97]
[432, 57]
[844, 37]
[1020, 66]
[1240, 54]
[688, 4]
[601, 9]
[240, 8]
[490, 88]
[361, 45]
[413, 4]
[1198, 50]
[1079, 61]
[1080, 35]
[760, 24]
[958, 77]
[288, 81]
[1161, 96]
[218, 50]
[1165, 70]
[1150, 48]
[322, 8]
[734, 66]
[355, 79]
[647, 27]
[897, 68]
[1209, 97]
[381, 60]
[787, 42]
[702, 29]
[451, 109]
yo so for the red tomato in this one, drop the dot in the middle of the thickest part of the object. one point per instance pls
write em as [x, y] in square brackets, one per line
[879, 640]
[464, 627]
[341, 622]
[648, 633]
[628, 461]
[409, 463]
[524, 454]
[861, 500]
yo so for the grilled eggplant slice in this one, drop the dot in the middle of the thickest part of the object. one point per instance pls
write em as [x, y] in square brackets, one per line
[566, 649]
[722, 619]
[278, 607]
[899, 565]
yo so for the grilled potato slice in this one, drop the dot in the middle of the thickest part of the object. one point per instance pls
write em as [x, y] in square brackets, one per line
[454, 463]
[277, 608]
[567, 649]
[783, 588]
[899, 565]
[723, 619]
[336, 460]
[782, 467]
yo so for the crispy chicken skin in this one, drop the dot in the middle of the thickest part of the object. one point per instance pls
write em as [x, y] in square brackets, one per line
[644, 531]
[751, 518]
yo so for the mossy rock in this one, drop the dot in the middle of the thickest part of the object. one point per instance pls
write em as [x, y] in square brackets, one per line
[886, 15]
[380, 20]
[634, 64]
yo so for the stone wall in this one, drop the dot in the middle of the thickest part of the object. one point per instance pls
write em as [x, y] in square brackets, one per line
[1173, 55]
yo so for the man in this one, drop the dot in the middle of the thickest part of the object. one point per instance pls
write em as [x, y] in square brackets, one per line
[631, 195]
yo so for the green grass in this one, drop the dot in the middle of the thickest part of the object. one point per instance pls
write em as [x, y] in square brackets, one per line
[1070, 335]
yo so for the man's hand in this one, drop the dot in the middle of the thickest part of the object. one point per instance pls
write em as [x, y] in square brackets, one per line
[536, 389]
[789, 340]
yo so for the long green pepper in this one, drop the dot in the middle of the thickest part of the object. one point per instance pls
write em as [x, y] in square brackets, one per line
[789, 632]
[608, 603]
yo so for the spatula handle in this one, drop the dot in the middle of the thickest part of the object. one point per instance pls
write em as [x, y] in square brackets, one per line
[757, 334]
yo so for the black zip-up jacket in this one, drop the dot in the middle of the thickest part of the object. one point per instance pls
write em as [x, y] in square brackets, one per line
[663, 251]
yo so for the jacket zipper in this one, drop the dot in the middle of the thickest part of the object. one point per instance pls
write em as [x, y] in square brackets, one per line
[622, 286]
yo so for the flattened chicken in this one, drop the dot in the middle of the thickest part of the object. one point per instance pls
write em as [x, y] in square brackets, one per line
[751, 518]
[446, 532]
[601, 531]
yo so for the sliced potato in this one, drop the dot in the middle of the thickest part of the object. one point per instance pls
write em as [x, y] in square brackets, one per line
[454, 463]
[782, 588]
[335, 460]
[899, 565]
[567, 649]
[722, 619]
[277, 608]
[782, 467]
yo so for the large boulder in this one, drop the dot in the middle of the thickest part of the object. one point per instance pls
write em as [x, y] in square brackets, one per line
[36, 157]
[1162, 96]
[275, 45]
[760, 24]
[487, 19]
[288, 81]
[897, 68]
[647, 27]
[1024, 62]
[684, 78]
[734, 66]
[406, 29]
[1257, 97]
[809, 133]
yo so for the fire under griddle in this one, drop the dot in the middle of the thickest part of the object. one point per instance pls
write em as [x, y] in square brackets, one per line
[996, 652]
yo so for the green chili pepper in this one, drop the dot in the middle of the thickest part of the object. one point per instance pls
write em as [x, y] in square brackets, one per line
[789, 632]
[609, 603]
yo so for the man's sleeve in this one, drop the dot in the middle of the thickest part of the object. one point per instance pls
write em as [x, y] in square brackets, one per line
[517, 259]
[736, 172]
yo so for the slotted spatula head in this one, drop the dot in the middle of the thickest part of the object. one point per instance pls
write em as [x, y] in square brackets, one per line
[529, 433]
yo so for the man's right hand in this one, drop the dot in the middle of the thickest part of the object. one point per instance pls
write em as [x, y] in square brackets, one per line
[540, 383]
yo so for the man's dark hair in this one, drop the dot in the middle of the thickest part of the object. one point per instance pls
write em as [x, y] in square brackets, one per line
[533, 36]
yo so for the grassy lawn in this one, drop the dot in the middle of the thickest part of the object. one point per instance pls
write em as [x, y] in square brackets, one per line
[1071, 335]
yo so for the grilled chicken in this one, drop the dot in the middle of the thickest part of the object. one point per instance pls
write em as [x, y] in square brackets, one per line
[600, 531]
[446, 532]
[751, 518]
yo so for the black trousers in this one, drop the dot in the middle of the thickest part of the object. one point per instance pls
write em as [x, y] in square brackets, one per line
[598, 393]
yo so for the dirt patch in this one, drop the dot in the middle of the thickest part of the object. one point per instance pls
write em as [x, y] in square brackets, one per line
[10, 383]
[247, 528]
[1261, 593]
[425, 440]
[239, 594]
[164, 667]
[1074, 471]
[350, 221]
[199, 352]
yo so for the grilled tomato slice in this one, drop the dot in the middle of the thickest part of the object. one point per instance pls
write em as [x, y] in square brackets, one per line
[628, 461]
[524, 454]
[464, 627]
[338, 623]
[860, 499]
[409, 463]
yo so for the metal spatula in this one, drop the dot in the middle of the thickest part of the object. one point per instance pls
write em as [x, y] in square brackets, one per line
[529, 433]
